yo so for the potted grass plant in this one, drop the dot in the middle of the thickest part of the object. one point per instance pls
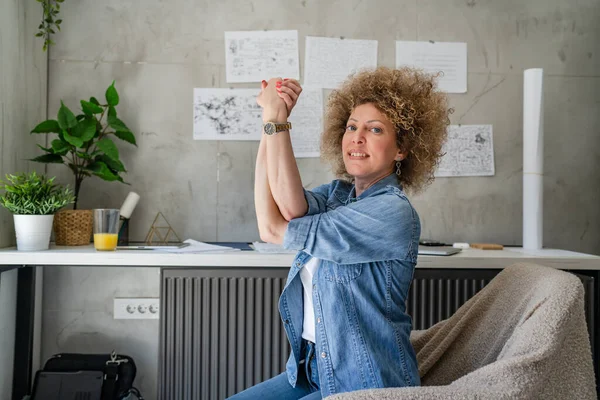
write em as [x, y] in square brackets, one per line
[33, 200]
[84, 143]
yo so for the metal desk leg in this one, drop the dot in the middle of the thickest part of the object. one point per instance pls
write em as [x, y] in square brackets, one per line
[24, 333]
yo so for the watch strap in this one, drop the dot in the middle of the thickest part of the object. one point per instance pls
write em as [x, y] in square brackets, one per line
[283, 127]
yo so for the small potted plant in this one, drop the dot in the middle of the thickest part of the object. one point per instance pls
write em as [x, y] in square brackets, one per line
[85, 144]
[33, 199]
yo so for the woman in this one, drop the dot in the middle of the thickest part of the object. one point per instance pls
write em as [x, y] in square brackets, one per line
[343, 305]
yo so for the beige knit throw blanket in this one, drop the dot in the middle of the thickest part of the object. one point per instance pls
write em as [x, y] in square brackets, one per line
[524, 336]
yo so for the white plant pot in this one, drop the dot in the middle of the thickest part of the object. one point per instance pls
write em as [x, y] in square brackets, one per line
[33, 231]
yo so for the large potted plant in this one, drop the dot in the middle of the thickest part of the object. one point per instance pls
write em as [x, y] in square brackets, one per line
[33, 199]
[85, 144]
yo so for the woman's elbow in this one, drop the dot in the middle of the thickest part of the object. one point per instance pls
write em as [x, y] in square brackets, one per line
[264, 236]
[292, 213]
[264, 233]
[289, 215]
[269, 234]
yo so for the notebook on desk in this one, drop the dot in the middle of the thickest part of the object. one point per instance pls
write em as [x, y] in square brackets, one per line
[437, 250]
[143, 246]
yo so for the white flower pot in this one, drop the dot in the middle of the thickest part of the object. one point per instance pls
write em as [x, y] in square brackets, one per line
[33, 231]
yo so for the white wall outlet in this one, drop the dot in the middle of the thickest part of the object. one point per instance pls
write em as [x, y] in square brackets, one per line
[136, 308]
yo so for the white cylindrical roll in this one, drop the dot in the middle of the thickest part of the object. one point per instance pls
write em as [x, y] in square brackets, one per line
[129, 205]
[533, 158]
[533, 186]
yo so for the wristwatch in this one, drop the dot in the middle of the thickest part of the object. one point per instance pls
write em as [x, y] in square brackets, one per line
[271, 128]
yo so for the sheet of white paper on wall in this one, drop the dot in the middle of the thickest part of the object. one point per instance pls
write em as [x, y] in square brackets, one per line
[251, 56]
[226, 114]
[433, 57]
[232, 114]
[307, 123]
[469, 152]
[329, 61]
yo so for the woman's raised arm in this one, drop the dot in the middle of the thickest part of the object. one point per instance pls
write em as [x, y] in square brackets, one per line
[277, 98]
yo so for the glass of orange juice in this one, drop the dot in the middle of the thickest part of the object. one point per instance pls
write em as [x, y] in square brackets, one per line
[106, 228]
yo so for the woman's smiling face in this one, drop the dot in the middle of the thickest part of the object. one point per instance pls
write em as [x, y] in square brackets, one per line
[369, 145]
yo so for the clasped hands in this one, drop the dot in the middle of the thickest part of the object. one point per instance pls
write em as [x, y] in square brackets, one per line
[277, 98]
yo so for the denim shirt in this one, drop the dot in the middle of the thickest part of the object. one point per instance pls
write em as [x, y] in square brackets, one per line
[368, 249]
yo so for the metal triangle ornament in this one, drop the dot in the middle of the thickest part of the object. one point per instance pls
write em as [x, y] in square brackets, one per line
[161, 231]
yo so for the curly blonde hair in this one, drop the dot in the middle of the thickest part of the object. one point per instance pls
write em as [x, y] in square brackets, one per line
[410, 100]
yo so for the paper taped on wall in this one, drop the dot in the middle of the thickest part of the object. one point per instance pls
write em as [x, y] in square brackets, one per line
[469, 152]
[329, 61]
[447, 57]
[251, 56]
[226, 114]
[232, 114]
[307, 120]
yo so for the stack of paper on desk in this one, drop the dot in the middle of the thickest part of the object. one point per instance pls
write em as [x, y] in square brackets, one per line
[271, 248]
[201, 247]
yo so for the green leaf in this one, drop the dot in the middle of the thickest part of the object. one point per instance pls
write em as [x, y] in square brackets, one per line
[126, 136]
[66, 119]
[48, 158]
[90, 108]
[117, 124]
[112, 112]
[101, 170]
[47, 127]
[85, 129]
[83, 155]
[89, 131]
[94, 101]
[109, 148]
[45, 148]
[75, 141]
[112, 97]
[115, 165]
[60, 147]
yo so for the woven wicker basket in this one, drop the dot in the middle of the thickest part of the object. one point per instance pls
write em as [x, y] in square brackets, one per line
[73, 227]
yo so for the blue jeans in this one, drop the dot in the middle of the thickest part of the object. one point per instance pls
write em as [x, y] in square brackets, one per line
[278, 388]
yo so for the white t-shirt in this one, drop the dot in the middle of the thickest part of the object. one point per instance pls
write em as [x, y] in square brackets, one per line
[306, 275]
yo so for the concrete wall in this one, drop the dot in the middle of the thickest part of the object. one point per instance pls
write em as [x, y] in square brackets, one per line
[159, 51]
[23, 77]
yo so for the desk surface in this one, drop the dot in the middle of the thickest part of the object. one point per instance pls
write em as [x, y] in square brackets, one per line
[468, 258]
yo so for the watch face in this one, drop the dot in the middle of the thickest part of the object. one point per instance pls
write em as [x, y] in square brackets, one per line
[269, 128]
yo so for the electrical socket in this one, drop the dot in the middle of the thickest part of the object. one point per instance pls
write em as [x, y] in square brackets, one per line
[136, 308]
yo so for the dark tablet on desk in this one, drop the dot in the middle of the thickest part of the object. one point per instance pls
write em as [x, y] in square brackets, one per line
[437, 250]
[244, 246]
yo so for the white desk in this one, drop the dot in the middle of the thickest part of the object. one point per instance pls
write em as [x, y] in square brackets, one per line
[467, 258]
